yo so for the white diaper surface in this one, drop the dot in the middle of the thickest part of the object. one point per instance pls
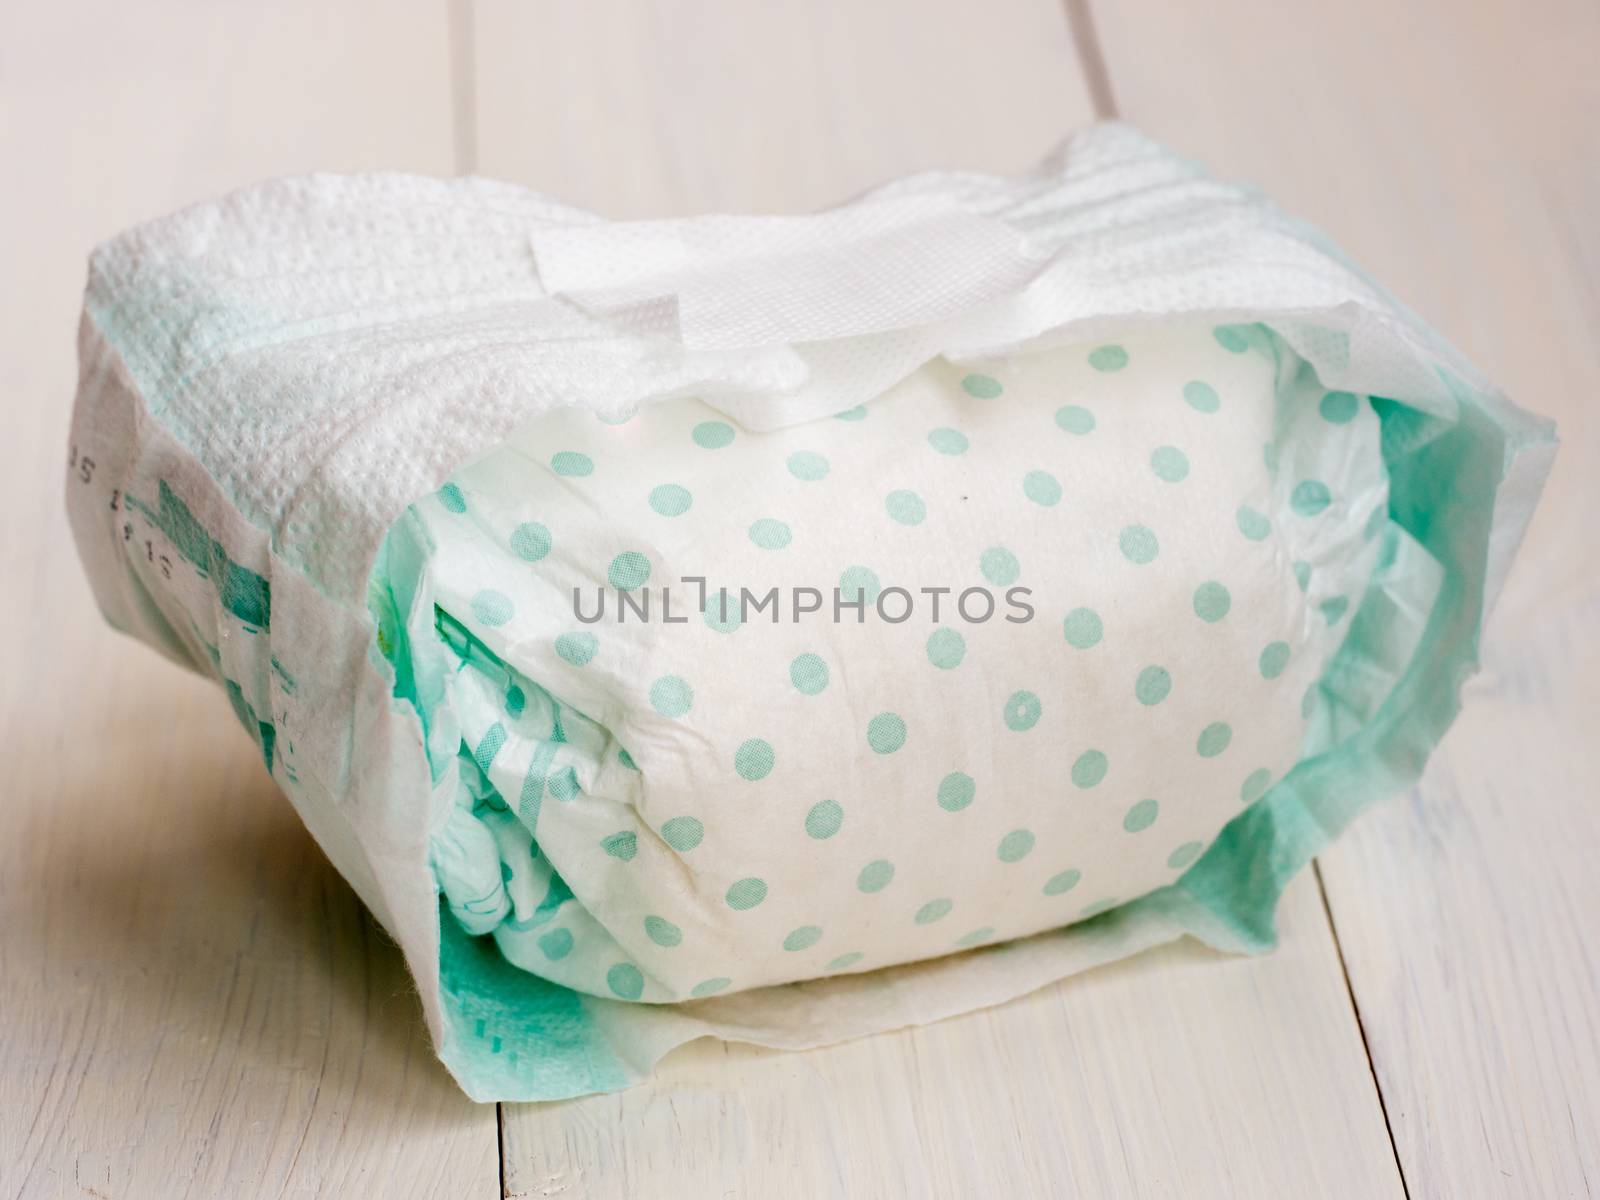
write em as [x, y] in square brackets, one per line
[1093, 587]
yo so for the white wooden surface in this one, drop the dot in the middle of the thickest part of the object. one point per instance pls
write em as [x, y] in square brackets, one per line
[191, 1003]
[1454, 149]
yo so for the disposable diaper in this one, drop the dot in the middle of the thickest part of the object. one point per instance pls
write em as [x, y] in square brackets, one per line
[791, 628]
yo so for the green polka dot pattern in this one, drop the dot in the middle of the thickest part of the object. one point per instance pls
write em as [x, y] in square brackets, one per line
[671, 499]
[886, 733]
[956, 791]
[671, 696]
[999, 566]
[984, 387]
[824, 819]
[754, 759]
[798, 795]
[946, 648]
[809, 674]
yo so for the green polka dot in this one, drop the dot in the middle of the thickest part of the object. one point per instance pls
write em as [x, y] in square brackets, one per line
[621, 845]
[999, 566]
[1098, 907]
[1333, 609]
[808, 466]
[1169, 463]
[1108, 358]
[578, 649]
[948, 441]
[571, 463]
[722, 610]
[753, 760]
[1302, 574]
[984, 387]
[803, 938]
[1310, 497]
[1090, 769]
[886, 733]
[530, 541]
[824, 819]
[956, 791]
[846, 960]
[1082, 628]
[710, 987]
[1211, 601]
[1308, 702]
[1254, 525]
[682, 833]
[624, 979]
[1234, 338]
[1338, 408]
[905, 507]
[1022, 711]
[626, 760]
[859, 583]
[1065, 881]
[976, 937]
[1201, 396]
[1074, 418]
[1141, 816]
[712, 435]
[492, 608]
[563, 784]
[1255, 785]
[1214, 739]
[671, 696]
[516, 701]
[556, 944]
[1184, 855]
[946, 648]
[746, 893]
[934, 910]
[1152, 685]
[1042, 488]
[671, 499]
[875, 876]
[629, 570]
[1138, 545]
[858, 413]
[1015, 846]
[662, 931]
[809, 674]
[1274, 659]
[450, 496]
[770, 534]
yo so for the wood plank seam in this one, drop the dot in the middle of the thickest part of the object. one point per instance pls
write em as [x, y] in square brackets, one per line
[1091, 60]
[1361, 1025]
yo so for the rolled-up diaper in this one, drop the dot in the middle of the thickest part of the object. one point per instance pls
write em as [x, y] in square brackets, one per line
[912, 604]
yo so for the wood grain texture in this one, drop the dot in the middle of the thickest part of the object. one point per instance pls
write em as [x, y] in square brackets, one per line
[1179, 1073]
[191, 1002]
[1453, 149]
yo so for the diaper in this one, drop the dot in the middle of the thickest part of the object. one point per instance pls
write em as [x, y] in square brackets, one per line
[786, 629]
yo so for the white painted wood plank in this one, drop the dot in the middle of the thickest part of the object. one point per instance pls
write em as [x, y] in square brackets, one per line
[191, 1002]
[665, 107]
[1179, 1073]
[1454, 150]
